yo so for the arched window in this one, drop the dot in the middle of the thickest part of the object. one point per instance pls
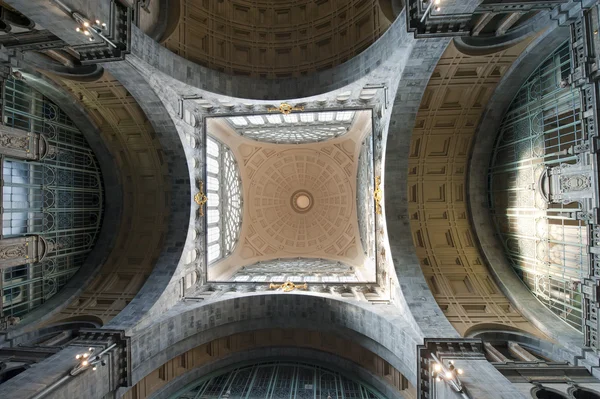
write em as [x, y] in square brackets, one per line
[58, 198]
[547, 393]
[224, 206]
[306, 127]
[583, 393]
[537, 166]
[278, 380]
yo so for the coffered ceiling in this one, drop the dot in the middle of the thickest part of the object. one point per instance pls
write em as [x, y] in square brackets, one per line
[300, 200]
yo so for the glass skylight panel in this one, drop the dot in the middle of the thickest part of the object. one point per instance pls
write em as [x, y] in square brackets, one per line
[212, 148]
[344, 116]
[212, 183]
[310, 117]
[239, 121]
[213, 234]
[256, 120]
[325, 116]
[213, 199]
[212, 165]
[212, 216]
[291, 118]
[213, 252]
[274, 119]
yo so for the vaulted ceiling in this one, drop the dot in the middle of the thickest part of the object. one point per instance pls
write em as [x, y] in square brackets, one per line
[275, 39]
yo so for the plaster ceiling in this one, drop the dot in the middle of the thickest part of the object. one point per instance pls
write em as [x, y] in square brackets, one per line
[275, 38]
[299, 200]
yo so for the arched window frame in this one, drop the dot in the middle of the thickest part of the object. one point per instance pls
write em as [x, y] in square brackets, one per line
[543, 121]
[58, 197]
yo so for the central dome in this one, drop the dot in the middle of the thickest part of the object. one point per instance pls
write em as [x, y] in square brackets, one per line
[320, 211]
[301, 201]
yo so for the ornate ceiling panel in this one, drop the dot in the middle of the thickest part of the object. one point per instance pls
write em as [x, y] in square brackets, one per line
[299, 200]
[450, 111]
[275, 39]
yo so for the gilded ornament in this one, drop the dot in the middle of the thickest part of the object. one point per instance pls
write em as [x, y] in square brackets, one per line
[288, 286]
[201, 199]
[378, 194]
[285, 109]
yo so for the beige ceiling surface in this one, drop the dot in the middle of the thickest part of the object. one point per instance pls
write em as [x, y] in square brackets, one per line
[275, 38]
[274, 176]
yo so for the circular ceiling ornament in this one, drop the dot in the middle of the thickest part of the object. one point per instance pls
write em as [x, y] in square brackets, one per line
[302, 201]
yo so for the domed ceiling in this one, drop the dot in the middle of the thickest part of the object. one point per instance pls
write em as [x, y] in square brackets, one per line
[299, 199]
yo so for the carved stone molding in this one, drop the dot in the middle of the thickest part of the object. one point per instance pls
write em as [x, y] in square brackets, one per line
[16, 143]
[20, 251]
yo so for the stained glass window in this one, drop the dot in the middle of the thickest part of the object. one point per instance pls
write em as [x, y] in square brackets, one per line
[544, 240]
[58, 198]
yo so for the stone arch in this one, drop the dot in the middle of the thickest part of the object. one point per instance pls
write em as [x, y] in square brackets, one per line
[386, 335]
[113, 203]
[149, 52]
[273, 344]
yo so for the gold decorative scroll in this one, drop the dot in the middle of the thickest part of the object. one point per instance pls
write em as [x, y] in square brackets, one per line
[288, 286]
[378, 194]
[201, 199]
[285, 109]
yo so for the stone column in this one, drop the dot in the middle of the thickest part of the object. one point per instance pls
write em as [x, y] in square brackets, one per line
[20, 251]
[20, 144]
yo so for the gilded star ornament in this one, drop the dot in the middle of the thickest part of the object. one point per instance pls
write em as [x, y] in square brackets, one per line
[285, 108]
[288, 286]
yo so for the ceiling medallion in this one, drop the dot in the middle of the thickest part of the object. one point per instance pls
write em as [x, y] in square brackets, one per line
[302, 201]
[201, 199]
[288, 286]
[285, 109]
[378, 194]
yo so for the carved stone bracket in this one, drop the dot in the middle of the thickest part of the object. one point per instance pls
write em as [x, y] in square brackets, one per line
[20, 144]
[21, 251]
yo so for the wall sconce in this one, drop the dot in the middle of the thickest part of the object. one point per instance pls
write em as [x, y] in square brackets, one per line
[87, 27]
[449, 374]
[428, 10]
[89, 360]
